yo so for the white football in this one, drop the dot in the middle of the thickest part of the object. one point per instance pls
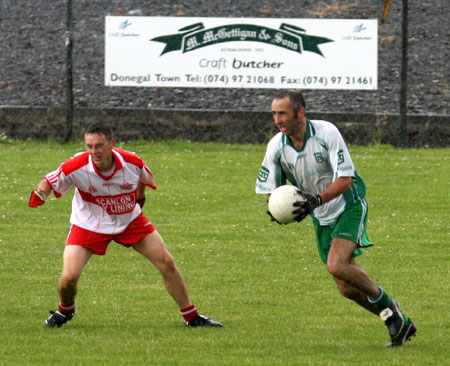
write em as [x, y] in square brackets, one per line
[281, 203]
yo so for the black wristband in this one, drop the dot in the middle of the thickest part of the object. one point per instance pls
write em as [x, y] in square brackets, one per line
[141, 201]
[319, 199]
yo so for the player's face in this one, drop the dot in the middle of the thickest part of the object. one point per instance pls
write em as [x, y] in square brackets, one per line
[100, 149]
[284, 117]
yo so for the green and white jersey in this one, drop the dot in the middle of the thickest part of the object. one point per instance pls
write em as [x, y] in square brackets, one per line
[323, 158]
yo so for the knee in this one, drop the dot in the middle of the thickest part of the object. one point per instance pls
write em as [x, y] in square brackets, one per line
[335, 267]
[68, 280]
[166, 264]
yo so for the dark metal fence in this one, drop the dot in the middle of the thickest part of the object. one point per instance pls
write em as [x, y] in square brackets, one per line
[250, 127]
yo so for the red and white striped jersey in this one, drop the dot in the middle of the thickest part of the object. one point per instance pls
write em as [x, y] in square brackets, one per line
[103, 204]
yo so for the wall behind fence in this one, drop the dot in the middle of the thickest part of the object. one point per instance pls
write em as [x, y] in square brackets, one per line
[252, 127]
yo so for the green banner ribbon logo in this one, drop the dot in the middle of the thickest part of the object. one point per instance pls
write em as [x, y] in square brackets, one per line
[195, 36]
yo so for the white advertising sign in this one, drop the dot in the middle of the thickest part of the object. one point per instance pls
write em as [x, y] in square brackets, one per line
[241, 52]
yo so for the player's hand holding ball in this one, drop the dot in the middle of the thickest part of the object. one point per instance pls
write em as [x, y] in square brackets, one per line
[288, 204]
[273, 218]
[37, 198]
[281, 204]
[306, 206]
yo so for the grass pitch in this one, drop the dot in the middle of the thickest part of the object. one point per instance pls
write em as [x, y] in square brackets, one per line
[265, 282]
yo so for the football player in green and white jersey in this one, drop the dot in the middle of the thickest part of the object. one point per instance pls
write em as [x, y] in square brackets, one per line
[313, 156]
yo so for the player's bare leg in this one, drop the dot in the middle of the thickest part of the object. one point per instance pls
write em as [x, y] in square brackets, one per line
[347, 274]
[154, 249]
[341, 265]
[356, 295]
[74, 259]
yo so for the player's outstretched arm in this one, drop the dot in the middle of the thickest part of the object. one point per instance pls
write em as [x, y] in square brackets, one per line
[311, 202]
[141, 194]
[39, 195]
[339, 186]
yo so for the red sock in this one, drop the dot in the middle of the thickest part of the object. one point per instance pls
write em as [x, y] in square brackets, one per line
[67, 308]
[189, 313]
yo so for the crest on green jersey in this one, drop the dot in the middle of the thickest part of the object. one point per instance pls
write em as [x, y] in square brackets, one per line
[319, 157]
[263, 174]
[340, 156]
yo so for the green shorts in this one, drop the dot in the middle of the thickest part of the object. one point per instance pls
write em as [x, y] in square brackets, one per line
[351, 224]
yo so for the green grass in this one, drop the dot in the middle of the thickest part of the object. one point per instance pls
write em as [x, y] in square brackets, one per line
[265, 282]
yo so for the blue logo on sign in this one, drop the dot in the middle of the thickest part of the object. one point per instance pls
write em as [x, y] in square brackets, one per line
[359, 28]
[124, 24]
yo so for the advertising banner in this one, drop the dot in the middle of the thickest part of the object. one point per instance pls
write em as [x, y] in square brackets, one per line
[241, 52]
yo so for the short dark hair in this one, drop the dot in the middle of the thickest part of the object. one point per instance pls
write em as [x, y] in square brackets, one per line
[100, 128]
[295, 96]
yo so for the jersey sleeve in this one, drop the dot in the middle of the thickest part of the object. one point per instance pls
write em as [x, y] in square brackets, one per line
[146, 176]
[271, 175]
[340, 159]
[59, 182]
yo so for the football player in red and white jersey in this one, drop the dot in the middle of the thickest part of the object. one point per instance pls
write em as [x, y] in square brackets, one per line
[107, 206]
